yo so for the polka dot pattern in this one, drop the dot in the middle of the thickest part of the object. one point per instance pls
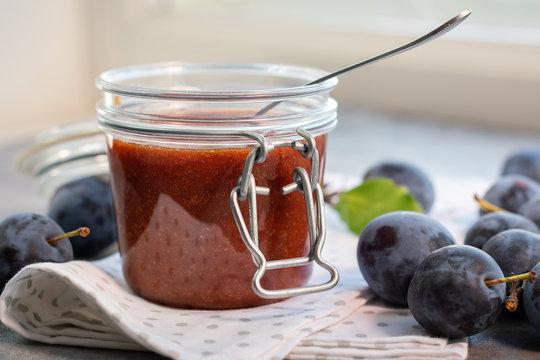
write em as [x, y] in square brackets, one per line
[90, 304]
[377, 331]
[93, 298]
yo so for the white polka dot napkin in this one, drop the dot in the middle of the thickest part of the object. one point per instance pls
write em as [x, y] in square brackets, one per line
[377, 331]
[89, 304]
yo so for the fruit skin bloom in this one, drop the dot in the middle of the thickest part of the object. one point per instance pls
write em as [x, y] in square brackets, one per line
[23, 241]
[391, 247]
[493, 223]
[86, 202]
[510, 192]
[531, 300]
[448, 296]
[409, 175]
[523, 162]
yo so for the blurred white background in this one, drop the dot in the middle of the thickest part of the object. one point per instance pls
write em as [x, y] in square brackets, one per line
[486, 72]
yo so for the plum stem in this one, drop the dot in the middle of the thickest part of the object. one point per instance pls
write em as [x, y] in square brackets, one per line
[527, 276]
[486, 205]
[512, 299]
[82, 231]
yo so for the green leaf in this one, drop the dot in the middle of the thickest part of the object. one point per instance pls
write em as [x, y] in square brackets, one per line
[374, 197]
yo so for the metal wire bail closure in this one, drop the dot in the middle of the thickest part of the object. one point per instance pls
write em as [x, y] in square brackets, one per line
[302, 182]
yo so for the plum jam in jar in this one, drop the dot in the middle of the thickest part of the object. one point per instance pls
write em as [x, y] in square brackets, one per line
[215, 171]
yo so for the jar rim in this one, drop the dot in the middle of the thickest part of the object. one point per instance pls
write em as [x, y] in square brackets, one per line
[113, 81]
[64, 153]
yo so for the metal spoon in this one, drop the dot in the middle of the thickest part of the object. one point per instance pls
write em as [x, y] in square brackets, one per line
[432, 35]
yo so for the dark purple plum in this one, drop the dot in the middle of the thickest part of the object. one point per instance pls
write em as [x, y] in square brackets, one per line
[495, 222]
[511, 191]
[523, 162]
[412, 177]
[517, 252]
[531, 210]
[86, 202]
[448, 296]
[392, 245]
[23, 241]
[531, 299]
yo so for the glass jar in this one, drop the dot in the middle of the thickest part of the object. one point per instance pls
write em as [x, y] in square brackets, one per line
[55, 159]
[193, 159]
[65, 153]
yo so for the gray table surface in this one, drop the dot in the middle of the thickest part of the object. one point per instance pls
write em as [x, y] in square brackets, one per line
[362, 138]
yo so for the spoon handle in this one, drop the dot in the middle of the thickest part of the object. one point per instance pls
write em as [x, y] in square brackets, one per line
[442, 29]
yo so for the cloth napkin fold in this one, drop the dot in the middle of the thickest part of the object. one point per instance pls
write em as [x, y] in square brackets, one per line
[378, 331]
[89, 304]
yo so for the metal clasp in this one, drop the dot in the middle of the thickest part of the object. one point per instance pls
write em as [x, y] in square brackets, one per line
[302, 182]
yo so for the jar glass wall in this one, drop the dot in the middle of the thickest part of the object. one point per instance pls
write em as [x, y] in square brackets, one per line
[178, 136]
